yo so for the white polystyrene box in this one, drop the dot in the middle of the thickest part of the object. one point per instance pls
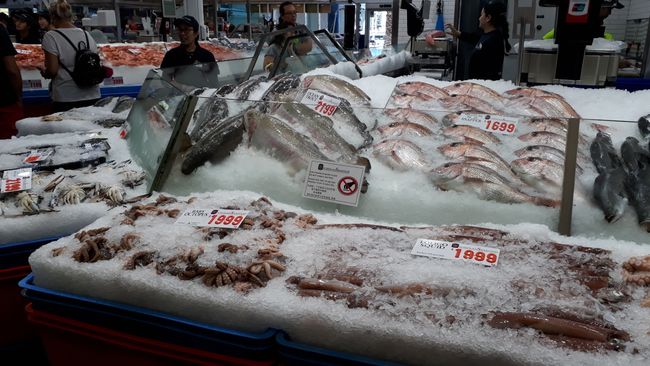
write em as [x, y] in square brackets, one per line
[106, 18]
[87, 22]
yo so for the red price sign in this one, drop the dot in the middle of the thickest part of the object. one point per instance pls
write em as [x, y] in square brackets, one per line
[229, 219]
[486, 256]
[491, 123]
[321, 103]
[16, 180]
[114, 80]
[38, 155]
[325, 109]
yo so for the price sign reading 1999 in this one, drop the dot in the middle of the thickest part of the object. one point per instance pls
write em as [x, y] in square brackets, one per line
[486, 256]
[491, 123]
[229, 219]
[320, 103]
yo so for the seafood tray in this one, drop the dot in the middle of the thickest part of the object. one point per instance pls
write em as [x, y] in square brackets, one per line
[60, 200]
[151, 324]
[107, 112]
[352, 285]
[71, 342]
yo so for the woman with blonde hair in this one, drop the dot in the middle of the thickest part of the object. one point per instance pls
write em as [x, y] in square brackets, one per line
[60, 59]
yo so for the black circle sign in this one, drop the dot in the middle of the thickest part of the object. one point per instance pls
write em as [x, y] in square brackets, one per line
[348, 185]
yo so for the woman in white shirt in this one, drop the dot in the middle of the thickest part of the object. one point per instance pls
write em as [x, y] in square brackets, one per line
[58, 53]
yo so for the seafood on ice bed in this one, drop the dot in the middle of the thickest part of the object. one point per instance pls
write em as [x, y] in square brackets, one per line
[513, 294]
[468, 149]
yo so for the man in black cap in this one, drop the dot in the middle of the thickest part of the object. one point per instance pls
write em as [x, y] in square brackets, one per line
[189, 52]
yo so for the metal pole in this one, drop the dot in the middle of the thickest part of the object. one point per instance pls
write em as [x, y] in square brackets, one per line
[568, 181]
[118, 20]
[395, 26]
[522, 27]
[248, 19]
[645, 73]
[215, 3]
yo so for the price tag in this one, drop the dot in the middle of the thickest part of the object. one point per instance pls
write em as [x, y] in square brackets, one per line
[23, 52]
[477, 254]
[334, 182]
[32, 84]
[228, 219]
[490, 123]
[114, 80]
[320, 103]
[38, 155]
[16, 180]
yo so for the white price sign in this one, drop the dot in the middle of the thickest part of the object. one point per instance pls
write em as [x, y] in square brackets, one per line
[114, 80]
[228, 219]
[334, 182]
[320, 103]
[477, 254]
[32, 84]
[490, 123]
[38, 155]
[23, 52]
[16, 180]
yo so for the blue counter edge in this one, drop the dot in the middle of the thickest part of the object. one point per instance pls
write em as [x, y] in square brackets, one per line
[43, 95]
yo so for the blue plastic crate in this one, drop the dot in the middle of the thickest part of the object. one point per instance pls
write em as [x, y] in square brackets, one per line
[16, 254]
[632, 84]
[151, 324]
[293, 353]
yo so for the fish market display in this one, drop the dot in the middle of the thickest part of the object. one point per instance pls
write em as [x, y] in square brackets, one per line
[31, 57]
[354, 285]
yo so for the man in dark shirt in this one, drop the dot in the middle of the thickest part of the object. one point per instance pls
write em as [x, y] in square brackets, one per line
[486, 61]
[176, 63]
[189, 52]
[11, 88]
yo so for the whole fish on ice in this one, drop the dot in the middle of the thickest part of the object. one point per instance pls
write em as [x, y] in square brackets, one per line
[335, 86]
[400, 155]
[609, 185]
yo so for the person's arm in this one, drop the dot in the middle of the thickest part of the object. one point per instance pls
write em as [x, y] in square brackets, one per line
[463, 36]
[303, 46]
[51, 65]
[13, 73]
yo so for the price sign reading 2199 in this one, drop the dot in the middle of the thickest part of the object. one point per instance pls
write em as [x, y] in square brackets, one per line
[322, 104]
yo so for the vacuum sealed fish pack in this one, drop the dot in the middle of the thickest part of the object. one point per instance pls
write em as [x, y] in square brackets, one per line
[50, 157]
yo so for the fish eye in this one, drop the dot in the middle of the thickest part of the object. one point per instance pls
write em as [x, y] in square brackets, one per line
[529, 148]
[447, 165]
[392, 124]
[531, 158]
[454, 144]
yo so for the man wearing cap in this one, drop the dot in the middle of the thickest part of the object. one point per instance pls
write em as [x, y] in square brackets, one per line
[605, 11]
[189, 52]
[26, 30]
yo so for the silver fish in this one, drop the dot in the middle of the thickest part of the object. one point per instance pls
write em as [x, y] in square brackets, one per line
[269, 134]
[484, 182]
[123, 103]
[208, 116]
[644, 125]
[465, 150]
[216, 144]
[413, 87]
[399, 129]
[400, 155]
[539, 172]
[609, 193]
[477, 91]
[529, 92]
[455, 103]
[410, 115]
[545, 138]
[244, 90]
[603, 154]
[317, 128]
[335, 86]
[103, 102]
[634, 156]
[545, 152]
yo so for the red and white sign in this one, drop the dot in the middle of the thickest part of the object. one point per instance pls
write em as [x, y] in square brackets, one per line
[320, 103]
[228, 219]
[491, 123]
[38, 155]
[333, 182]
[16, 180]
[114, 80]
[32, 84]
[348, 185]
[476, 254]
[124, 131]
